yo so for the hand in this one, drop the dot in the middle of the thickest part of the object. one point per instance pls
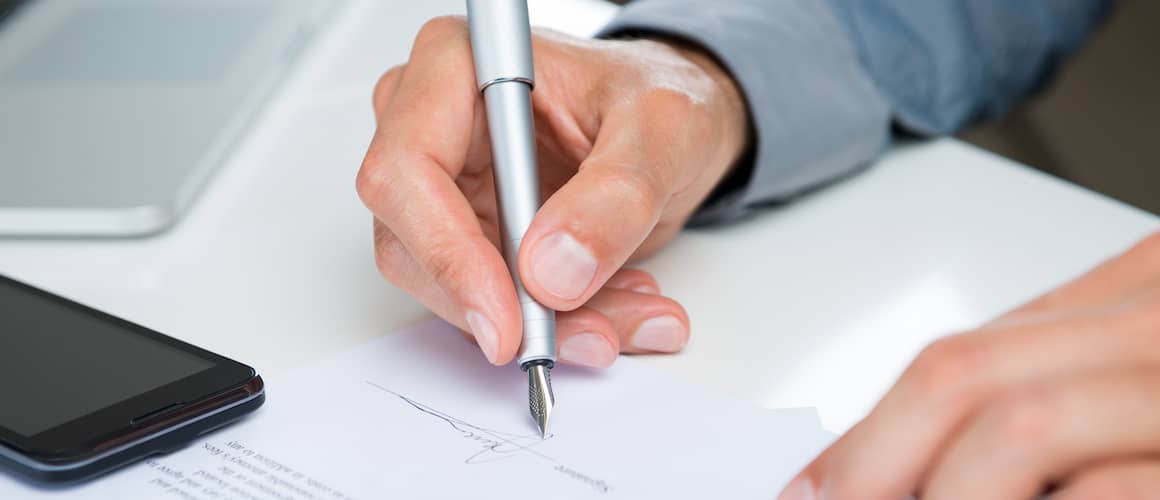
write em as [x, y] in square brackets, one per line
[632, 136]
[1061, 394]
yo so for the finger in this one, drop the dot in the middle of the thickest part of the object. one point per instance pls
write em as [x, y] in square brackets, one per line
[585, 337]
[395, 264]
[885, 455]
[1116, 279]
[623, 321]
[634, 280]
[1040, 434]
[385, 89]
[1122, 480]
[589, 227]
[407, 181]
[645, 322]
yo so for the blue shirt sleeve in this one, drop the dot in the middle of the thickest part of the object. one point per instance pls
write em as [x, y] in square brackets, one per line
[825, 80]
[942, 65]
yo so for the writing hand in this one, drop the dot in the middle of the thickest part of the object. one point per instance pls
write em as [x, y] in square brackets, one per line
[1062, 393]
[632, 137]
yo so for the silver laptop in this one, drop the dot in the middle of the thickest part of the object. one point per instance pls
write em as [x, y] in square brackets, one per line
[114, 113]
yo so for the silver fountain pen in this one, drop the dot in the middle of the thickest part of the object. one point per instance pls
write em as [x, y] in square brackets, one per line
[501, 44]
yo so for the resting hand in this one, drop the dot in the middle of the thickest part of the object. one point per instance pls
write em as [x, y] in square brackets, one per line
[1061, 394]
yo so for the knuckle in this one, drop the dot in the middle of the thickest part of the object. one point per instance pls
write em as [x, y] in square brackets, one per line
[1024, 421]
[946, 369]
[440, 29]
[371, 184]
[385, 86]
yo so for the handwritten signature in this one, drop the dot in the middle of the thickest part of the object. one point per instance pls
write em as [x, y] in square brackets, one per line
[499, 445]
[496, 445]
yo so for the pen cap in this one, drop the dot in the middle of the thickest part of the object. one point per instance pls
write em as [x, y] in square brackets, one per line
[501, 41]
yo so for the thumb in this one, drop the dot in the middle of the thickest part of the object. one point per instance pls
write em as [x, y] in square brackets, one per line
[589, 227]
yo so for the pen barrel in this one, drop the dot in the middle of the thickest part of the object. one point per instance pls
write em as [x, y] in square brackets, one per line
[517, 185]
[501, 41]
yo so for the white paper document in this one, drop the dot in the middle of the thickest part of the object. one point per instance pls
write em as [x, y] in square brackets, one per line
[420, 414]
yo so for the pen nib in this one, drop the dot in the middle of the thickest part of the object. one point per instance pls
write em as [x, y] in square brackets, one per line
[540, 397]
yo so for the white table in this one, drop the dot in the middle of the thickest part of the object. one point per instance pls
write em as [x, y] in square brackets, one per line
[820, 303]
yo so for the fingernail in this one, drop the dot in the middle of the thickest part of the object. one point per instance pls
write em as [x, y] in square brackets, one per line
[588, 349]
[563, 266]
[798, 489]
[485, 335]
[663, 333]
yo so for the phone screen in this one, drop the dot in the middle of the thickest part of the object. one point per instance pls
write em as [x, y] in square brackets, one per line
[59, 363]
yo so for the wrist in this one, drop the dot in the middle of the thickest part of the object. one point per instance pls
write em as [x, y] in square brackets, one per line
[733, 167]
[731, 108]
[735, 122]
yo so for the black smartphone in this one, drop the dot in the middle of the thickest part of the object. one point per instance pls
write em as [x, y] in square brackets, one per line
[83, 392]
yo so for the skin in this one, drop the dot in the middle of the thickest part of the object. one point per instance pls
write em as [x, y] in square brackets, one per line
[618, 184]
[1061, 394]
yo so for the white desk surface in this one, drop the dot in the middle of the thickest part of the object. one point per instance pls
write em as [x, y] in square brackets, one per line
[820, 303]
